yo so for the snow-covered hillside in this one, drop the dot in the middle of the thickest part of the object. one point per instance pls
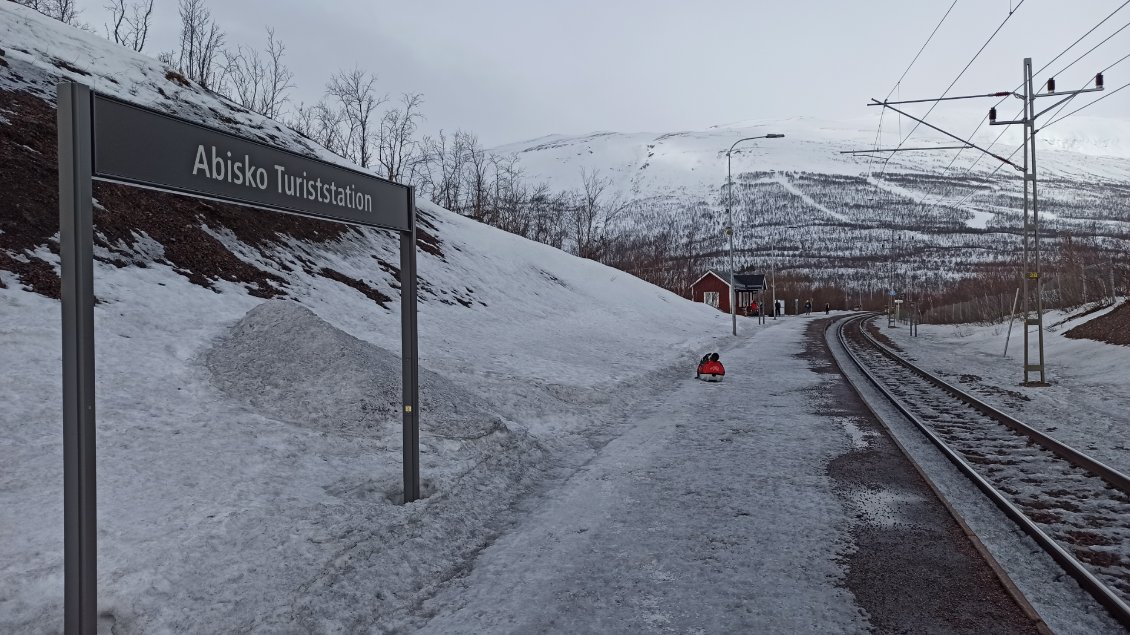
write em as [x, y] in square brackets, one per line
[249, 454]
[643, 162]
[802, 203]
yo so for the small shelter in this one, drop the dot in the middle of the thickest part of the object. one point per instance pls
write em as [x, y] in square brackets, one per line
[713, 288]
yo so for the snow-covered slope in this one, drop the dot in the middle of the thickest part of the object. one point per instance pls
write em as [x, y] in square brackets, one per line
[645, 163]
[249, 451]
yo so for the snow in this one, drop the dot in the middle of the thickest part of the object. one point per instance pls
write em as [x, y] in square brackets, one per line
[611, 531]
[41, 52]
[249, 455]
[793, 189]
[692, 164]
[228, 501]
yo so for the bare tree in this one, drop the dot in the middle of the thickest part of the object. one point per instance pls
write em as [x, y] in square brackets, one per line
[475, 174]
[397, 146]
[302, 120]
[510, 197]
[593, 214]
[328, 128]
[447, 157]
[258, 82]
[61, 10]
[201, 40]
[355, 93]
[130, 24]
[586, 214]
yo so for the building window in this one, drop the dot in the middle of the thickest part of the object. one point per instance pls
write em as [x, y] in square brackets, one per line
[711, 298]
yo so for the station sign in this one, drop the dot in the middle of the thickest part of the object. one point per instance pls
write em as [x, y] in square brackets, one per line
[138, 146]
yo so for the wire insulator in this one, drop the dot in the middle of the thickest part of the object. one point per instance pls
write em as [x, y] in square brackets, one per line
[1099, 80]
[1051, 84]
[992, 114]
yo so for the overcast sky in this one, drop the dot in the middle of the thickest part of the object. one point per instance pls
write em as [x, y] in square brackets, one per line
[509, 70]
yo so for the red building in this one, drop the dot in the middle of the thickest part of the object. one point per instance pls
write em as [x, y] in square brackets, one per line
[713, 288]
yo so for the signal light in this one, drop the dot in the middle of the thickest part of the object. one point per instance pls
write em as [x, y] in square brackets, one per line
[1051, 84]
[992, 114]
[1099, 80]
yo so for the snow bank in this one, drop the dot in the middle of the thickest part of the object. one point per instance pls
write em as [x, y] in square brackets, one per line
[292, 366]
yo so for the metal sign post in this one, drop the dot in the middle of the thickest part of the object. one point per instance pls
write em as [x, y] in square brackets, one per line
[76, 251]
[110, 140]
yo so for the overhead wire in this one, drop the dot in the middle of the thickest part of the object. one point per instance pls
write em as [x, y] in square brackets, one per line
[1052, 122]
[955, 80]
[1055, 116]
[923, 48]
[930, 37]
[1090, 50]
[1044, 67]
[1077, 41]
[1087, 105]
[1054, 119]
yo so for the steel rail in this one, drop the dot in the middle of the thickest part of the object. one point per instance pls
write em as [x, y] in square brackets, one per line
[1107, 597]
[1116, 479]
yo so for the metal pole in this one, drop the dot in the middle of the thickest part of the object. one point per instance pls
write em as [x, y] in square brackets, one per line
[1113, 297]
[410, 356]
[1011, 318]
[1028, 269]
[730, 231]
[76, 252]
[1035, 219]
[773, 272]
[1083, 274]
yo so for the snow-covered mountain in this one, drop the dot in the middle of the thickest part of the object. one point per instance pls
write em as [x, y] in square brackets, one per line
[695, 161]
[802, 203]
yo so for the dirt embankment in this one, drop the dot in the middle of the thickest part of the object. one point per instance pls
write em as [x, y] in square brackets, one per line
[1112, 328]
[29, 220]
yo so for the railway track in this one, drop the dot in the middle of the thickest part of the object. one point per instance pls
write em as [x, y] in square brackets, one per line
[1075, 507]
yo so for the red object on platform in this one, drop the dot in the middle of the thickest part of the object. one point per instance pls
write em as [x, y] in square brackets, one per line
[711, 368]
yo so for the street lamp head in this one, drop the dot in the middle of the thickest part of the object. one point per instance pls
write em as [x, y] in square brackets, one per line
[774, 135]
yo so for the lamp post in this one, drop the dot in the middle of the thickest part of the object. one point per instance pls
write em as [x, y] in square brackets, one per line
[730, 222]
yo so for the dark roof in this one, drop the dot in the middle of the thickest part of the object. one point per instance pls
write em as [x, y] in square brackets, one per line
[749, 281]
[742, 281]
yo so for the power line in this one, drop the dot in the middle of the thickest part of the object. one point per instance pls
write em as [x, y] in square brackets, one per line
[979, 156]
[1091, 50]
[1072, 45]
[924, 45]
[1053, 121]
[989, 176]
[1088, 105]
[1055, 117]
[959, 75]
[1044, 67]
[879, 129]
[1120, 60]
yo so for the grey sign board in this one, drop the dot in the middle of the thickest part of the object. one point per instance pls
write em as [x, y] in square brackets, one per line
[139, 146]
[101, 137]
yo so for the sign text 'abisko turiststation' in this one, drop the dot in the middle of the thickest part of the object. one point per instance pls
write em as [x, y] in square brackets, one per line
[141, 147]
